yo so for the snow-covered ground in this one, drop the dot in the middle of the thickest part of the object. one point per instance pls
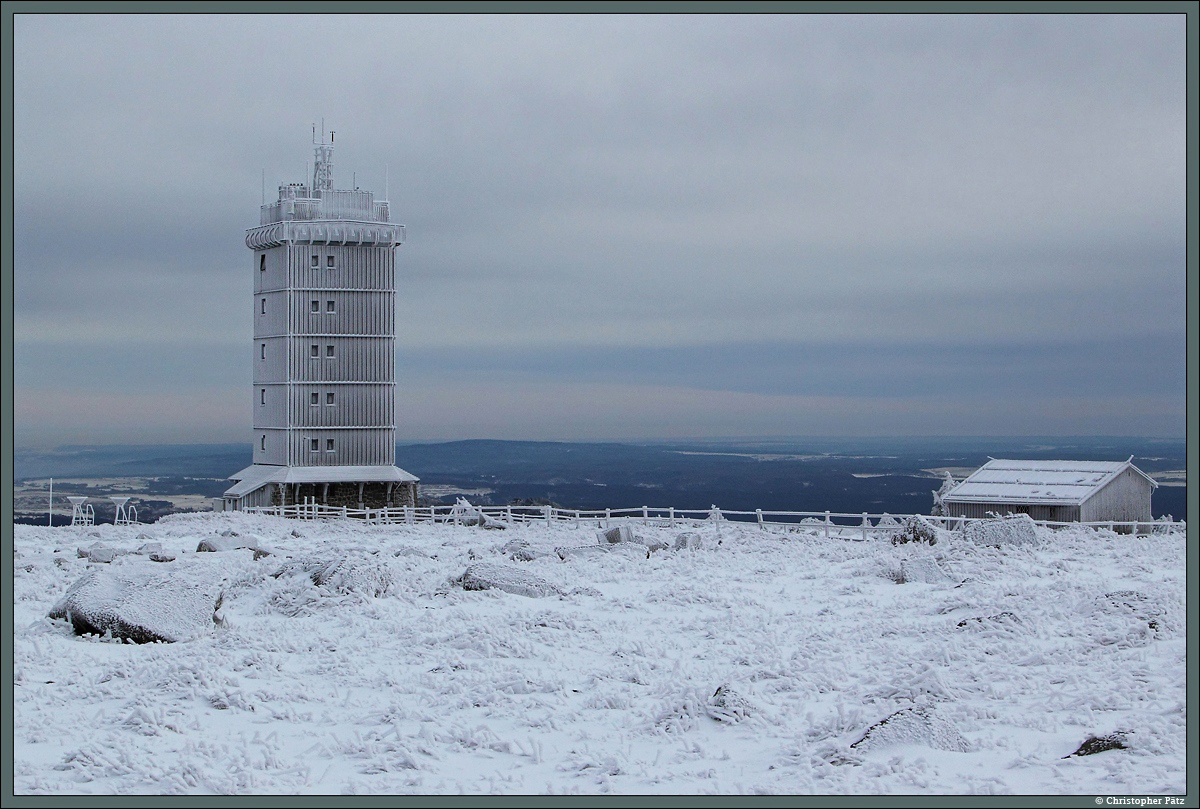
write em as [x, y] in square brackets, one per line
[391, 678]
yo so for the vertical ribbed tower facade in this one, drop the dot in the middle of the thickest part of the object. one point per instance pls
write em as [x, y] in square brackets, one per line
[323, 397]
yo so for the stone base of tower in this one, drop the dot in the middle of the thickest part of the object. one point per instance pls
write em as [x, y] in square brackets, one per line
[263, 485]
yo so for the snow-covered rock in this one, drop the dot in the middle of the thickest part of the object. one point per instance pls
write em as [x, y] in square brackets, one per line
[1117, 740]
[922, 568]
[919, 725]
[229, 541]
[689, 541]
[618, 533]
[1015, 529]
[139, 605]
[489, 576]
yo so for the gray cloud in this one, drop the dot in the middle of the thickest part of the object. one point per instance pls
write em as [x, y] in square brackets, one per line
[653, 189]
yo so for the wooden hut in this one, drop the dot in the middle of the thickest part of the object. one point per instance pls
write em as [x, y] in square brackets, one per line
[1059, 491]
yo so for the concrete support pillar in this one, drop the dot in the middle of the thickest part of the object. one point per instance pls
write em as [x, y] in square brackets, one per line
[360, 495]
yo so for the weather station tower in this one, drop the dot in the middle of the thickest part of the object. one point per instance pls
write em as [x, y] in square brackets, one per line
[324, 378]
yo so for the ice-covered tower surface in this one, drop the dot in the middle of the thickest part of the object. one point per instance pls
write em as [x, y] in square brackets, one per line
[324, 377]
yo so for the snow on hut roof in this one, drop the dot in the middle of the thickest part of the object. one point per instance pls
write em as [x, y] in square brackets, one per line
[1057, 482]
[256, 475]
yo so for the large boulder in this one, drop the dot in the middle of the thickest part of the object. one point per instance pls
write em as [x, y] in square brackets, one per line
[489, 576]
[1015, 529]
[917, 725]
[140, 606]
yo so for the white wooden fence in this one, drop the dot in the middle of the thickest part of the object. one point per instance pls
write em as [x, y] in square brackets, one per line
[857, 526]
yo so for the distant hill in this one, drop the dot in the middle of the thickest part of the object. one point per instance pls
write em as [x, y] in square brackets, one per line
[800, 474]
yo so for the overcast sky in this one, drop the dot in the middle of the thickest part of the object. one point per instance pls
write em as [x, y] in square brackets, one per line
[620, 227]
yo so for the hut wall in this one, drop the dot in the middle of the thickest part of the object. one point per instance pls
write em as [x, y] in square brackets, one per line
[1125, 498]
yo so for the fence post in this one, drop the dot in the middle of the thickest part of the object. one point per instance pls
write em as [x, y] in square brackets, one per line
[672, 517]
[508, 512]
[866, 522]
[576, 519]
[645, 515]
[827, 525]
[758, 511]
[607, 517]
[549, 509]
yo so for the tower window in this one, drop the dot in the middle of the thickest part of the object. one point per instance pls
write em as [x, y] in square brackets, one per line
[329, 445]
[262, 396]
[262, 351]
[315, 445]
[263, 307]
[329, 350]
[329, 262]
[329, 307]
[315, 306]
[314, 398]
[262, 443]
[314, 350]
[316, 262]
[262, 263]
[328, 398]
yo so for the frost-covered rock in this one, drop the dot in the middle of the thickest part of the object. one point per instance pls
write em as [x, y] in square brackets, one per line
[921, 568]
[915, 529]
[689, 541]
[726, 705]
[580, 550]
[140, 606]
[913, 726]
[1092, 745]
[1015, 529]
[354, 576]
[519, 550]
[343, 574]
[488, 576]
[229, 541]
[618, 533]
[623, 535]
[99, 552]
[150, 547]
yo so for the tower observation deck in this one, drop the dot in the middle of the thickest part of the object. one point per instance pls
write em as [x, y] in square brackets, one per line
[324, 378]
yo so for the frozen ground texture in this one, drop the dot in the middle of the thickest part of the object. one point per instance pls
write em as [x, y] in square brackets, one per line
[389, 677]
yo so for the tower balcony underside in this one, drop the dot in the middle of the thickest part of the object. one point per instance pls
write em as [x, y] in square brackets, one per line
[339, 232]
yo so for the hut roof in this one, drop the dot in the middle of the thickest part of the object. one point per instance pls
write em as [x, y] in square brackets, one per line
[1050, 482]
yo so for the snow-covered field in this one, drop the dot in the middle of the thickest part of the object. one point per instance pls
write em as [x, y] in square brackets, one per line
[391, 678]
